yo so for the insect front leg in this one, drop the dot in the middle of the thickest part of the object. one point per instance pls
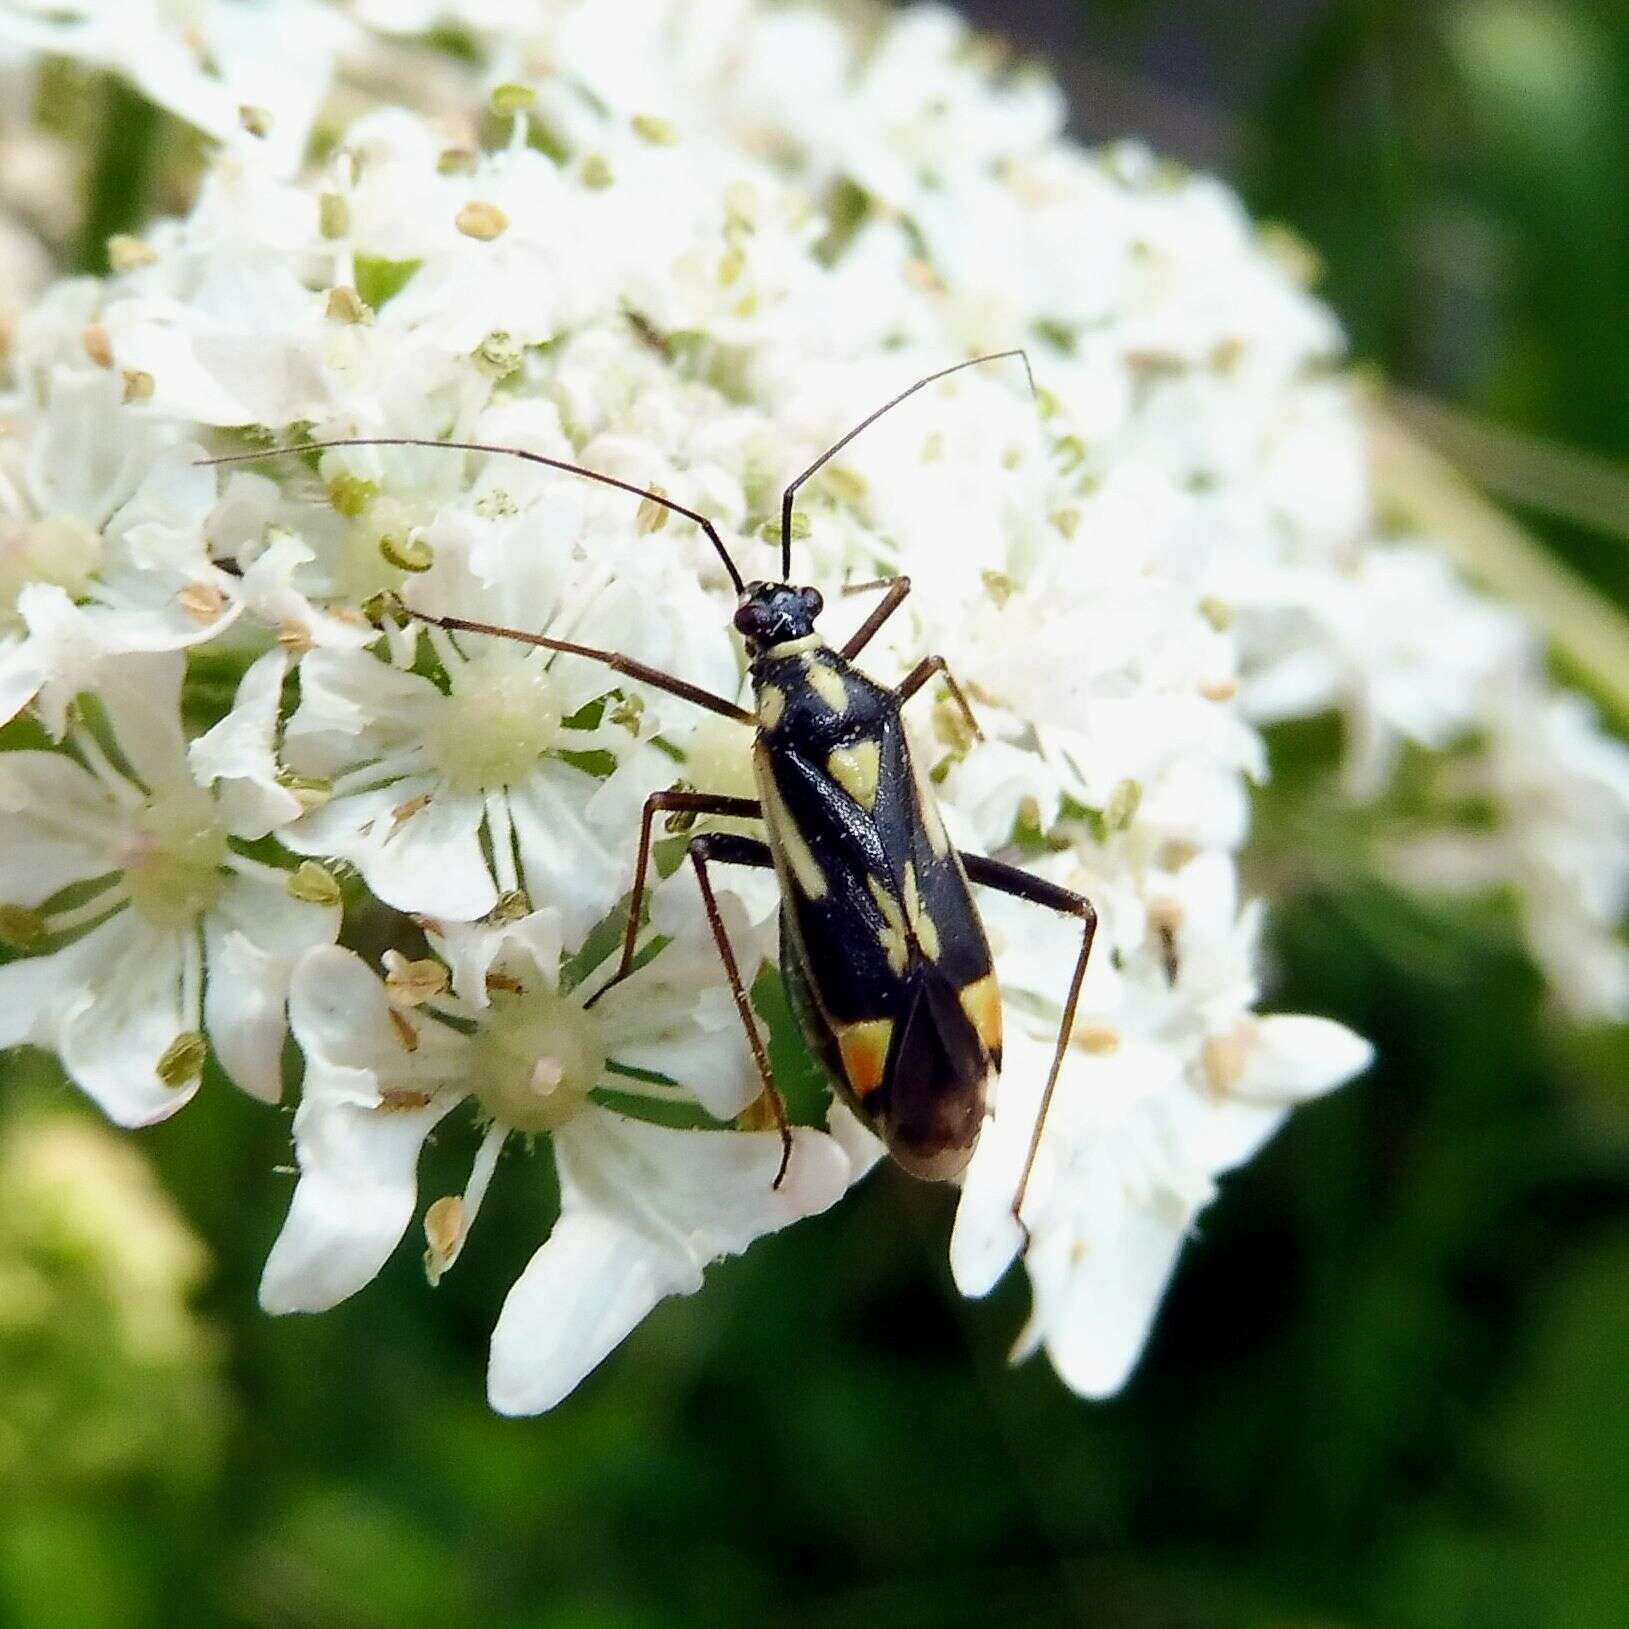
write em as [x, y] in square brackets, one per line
[898, 588]
[722, 848]
[925, 670]
[671, 802]
[1009, 879]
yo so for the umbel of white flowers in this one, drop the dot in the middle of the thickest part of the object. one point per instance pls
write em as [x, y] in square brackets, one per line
[707, 239]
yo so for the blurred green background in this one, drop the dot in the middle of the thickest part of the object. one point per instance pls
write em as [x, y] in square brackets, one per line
[1389, 1387]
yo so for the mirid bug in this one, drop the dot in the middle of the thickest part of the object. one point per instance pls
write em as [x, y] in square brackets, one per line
[884, 957]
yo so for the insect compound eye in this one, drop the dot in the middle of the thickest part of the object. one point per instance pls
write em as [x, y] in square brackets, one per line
[813, 601]
[748, 619]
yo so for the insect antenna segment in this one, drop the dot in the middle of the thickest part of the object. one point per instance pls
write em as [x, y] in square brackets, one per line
[789, 497]
[708, 528]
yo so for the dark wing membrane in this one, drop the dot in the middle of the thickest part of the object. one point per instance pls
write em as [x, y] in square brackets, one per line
[909, 825]
[930, 1107]
[843, 930]
[839, 930]
[924, 1092]
[884, 957]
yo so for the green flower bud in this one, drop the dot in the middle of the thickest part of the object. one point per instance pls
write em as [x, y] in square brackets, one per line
[314, 884]
[183, 1060]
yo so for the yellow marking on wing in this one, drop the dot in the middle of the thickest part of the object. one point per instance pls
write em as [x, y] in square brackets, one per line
[894, 936]
[981, 1001]
[927, 803]
[922, 925]
[863, 1048]
[856, 769]
[784, 837]
[827, 683]
[771, 705]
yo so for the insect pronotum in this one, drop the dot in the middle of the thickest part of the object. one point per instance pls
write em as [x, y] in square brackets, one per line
[884, 957]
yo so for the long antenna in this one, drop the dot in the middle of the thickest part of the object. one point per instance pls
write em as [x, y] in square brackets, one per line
[865, 424]
[505, 452]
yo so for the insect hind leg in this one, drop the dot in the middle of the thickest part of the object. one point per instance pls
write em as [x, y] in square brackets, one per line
[671, 802]
[723, 848]
[1019, 884]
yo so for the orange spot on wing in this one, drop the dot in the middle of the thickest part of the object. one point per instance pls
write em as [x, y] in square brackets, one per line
[864, 1050]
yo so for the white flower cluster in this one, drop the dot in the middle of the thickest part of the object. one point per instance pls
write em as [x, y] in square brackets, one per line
[698, 242]
[24, 265]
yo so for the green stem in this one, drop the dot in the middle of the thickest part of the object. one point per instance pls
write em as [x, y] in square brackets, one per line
[120, 182]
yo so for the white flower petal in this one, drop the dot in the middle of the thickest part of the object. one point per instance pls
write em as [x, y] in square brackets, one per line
[644, 1209]
[566, 862]
[675, 1018]
[244, 997]
[1293, 1058]
[579, 1297]
[472, 949]
[426, 859]
[112, 1039]
[269, 586]
[358, 1160]
[863, 1148]
[142, 694]
[22, 672]
[432, 861]
[986, 1237]
[1227, 1134]
[36, 990]
[353, 709]
[1097, 1304]
[62, 649]
[253, 939]
[238, 756]
[57, 826]
[84, 463]
[343, 1020]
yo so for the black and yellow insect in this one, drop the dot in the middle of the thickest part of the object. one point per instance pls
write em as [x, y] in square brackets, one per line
[885, 960]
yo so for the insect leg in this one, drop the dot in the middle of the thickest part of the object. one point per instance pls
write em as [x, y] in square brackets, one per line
[1009, 879]
[673, 802]
[925, 670]
[898, 588]
[722, 848]
[615, 660]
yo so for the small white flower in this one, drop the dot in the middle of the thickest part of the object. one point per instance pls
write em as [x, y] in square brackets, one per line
[238, 757]
[1562, 786]
[206, 62]
[1559, 790]
[1399, 645]
[644, 1207]
[24, 267]
[1168, 1082]
[448, 794]
[753, 224]
[1115, 683]
[154, 931]
[101, 548]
